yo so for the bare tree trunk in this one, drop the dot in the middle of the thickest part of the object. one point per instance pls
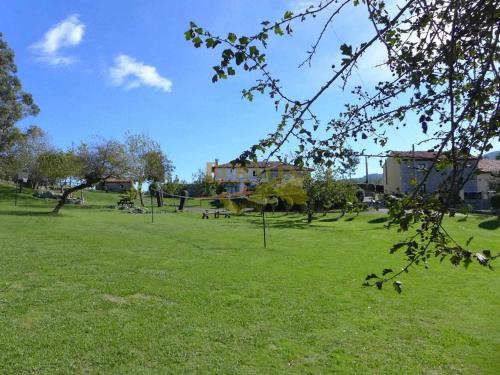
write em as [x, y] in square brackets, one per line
[310, 212]
[158, 198]
[139, 191]
[68, 192]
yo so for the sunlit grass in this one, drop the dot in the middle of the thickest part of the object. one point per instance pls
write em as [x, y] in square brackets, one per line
[101, 291]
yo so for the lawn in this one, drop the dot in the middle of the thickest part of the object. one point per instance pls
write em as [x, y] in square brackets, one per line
[96, 290]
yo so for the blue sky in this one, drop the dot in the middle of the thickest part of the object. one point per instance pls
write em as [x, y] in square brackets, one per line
[104, 67]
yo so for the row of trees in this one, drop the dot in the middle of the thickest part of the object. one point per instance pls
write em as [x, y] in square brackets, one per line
[31, 156]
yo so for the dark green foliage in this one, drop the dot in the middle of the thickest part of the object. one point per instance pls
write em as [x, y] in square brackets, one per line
[325, 192]
[15, 103]
[495, 203]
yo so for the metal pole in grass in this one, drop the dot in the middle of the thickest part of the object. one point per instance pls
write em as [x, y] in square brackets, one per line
[15, 199]
[264, 226]
[152, 210]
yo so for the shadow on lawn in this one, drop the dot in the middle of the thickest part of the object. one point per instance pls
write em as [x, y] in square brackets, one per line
[25, 213]
[300, 223]
[490, 224]
[281, 221]
[330, 219]
[378, 220]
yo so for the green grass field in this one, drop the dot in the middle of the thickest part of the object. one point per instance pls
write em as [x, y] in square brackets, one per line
[96, 290]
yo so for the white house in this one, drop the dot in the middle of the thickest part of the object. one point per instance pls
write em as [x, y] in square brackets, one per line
[487, 175]
[239, 179]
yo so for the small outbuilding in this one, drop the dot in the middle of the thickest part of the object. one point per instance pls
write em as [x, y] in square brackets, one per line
[115, 185]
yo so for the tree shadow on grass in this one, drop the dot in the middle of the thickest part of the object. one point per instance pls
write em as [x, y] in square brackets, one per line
[22, 205]
[378, 220]
[330, 219]
[490, 224]
[300, 223]
[25, 213]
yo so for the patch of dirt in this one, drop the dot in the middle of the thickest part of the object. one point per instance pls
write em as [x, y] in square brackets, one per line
[114, 299]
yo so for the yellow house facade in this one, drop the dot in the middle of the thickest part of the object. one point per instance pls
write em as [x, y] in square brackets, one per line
[240, 179]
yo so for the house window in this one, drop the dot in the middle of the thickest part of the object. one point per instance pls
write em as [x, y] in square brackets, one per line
[472, 195]
[254, 173]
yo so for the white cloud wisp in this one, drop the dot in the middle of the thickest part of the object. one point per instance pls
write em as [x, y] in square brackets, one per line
[130, 73]
[67, 33]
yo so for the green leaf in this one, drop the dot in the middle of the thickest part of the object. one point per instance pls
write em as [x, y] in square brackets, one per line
[278, 30]
[253, 51]
[210, 43]
[197, 42]
[386, 271]
[288, 15]
[346, 49]
[240, 57]
[397, 246]
[231, 37]
[397, 286]
[231, 71]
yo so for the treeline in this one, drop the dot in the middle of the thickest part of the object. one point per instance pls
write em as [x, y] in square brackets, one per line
[32, 159]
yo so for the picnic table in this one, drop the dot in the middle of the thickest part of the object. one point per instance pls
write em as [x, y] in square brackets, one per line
[126, 201]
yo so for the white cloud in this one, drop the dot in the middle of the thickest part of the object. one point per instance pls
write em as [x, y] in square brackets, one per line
[67, 33]
[130, 73]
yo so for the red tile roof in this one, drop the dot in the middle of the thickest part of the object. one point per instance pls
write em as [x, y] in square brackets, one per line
[414, 154]
[422, 155]
[272, 165]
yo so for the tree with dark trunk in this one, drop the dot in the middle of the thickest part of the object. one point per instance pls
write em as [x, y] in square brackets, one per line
[95, 163]
[146, 160]
[67, 192]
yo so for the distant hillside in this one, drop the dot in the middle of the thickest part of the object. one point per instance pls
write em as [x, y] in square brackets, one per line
[492, 155]
[373, 178]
